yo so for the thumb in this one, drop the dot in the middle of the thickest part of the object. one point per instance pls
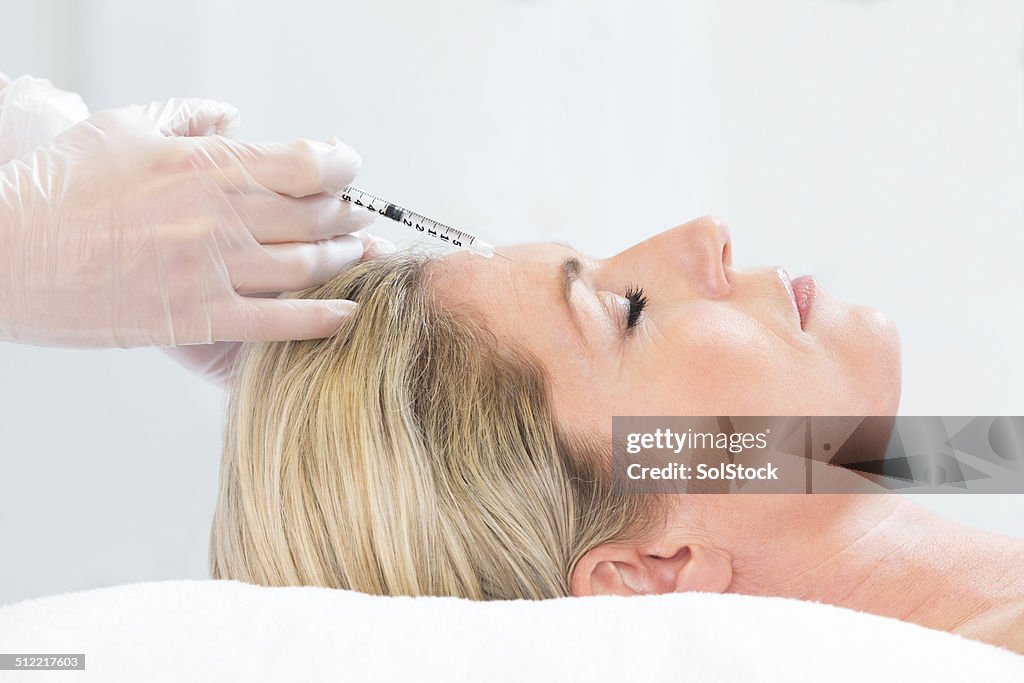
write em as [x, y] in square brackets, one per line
[192, 117]
[290, 319]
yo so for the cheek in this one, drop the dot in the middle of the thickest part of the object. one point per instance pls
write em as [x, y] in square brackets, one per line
[727, 363]
[864, 346]
[720, 362]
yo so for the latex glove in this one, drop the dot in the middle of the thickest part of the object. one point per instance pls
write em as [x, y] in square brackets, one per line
[145, 226]
[32, 113]
[214, 362]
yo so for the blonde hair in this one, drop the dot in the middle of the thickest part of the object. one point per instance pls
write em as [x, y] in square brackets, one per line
[412, 453]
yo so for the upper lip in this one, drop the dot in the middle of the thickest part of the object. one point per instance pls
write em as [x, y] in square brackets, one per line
[788, 282]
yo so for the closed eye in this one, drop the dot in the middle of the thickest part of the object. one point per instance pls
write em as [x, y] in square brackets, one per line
[637, 303]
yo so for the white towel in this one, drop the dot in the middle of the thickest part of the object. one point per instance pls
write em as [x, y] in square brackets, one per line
[228, 631]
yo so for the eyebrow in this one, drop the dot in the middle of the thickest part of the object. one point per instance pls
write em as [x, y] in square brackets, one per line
[570, 274]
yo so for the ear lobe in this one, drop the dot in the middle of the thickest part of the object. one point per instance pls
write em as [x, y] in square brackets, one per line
[625, 570]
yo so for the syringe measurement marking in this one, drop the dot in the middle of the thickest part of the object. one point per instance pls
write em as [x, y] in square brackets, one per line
[421, 223]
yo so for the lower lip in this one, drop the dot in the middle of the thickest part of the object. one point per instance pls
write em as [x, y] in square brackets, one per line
[805, 289]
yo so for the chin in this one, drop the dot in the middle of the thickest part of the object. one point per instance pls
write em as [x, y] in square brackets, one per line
[882, 365]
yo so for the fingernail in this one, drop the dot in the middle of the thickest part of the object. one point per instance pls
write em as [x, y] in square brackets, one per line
[382, 246]
[343, 307]
[374, 246]
[348, 249]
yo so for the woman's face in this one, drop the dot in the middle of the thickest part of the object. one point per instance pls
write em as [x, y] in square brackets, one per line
[711, 340]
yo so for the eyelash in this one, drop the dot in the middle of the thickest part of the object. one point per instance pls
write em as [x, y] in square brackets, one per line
[637, 303]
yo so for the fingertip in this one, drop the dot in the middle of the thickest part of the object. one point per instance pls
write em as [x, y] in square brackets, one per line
[296, 319]
[343, 218]
[303, 167]
[339, 165]
[336, 313]
[213, 117]
[230, 120]
[293, 266]
[345, 250]
[362, 216]
[375, 246]
[343, 308]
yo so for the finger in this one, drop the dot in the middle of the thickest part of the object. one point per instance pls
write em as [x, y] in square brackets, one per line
[192, 117]
[285, 319]
[297, 265]
[375, 246]
[298, 169]
[274, 218]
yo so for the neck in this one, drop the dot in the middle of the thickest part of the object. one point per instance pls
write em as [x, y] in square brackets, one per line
[885, 555]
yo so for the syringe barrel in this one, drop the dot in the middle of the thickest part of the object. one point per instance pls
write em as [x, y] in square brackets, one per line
[416, 221]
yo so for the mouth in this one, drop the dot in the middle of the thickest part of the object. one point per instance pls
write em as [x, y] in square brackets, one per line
[802, 291]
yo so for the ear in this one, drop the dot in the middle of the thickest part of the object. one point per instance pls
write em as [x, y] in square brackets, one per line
[624, 569]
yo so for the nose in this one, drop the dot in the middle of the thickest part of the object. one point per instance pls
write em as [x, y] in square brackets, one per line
[699, 251]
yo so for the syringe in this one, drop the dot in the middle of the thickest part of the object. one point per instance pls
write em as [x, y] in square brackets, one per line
[417, 221]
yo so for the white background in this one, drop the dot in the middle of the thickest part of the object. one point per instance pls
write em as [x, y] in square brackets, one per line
[878, 145]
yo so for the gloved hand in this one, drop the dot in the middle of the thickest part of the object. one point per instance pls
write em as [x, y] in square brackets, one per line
[213, 362]
[33, 112]
[145, 226]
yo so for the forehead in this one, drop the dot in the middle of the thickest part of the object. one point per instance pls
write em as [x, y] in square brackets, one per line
[522, 300]
[500, 289]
